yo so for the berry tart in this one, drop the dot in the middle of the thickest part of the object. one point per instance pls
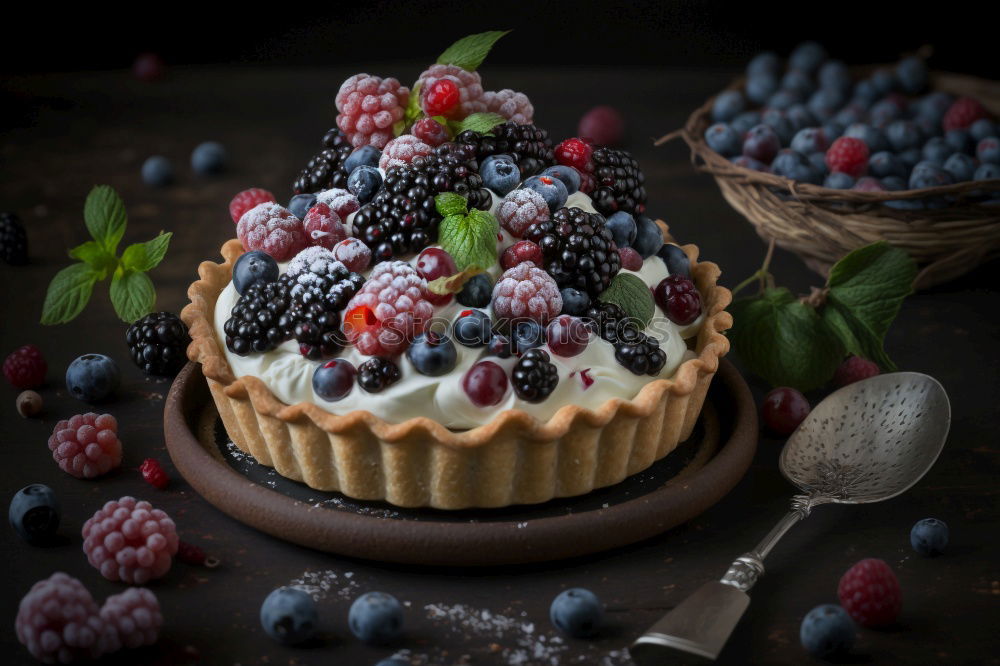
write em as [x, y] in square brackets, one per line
[454, 311]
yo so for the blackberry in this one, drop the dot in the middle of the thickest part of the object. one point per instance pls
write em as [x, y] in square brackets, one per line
[578, 249]
[636, 351]
[326, 169]
[377, 374]
[529, 145]
[158, 343]
[259, 322]
[534, 377]
[620, 182]
[313, 314]
[13, 240]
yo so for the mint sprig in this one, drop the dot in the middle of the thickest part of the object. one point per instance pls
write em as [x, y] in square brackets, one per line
[132, 292]
[483, 123]
[470, 52]
[799, 342]
[469, 236]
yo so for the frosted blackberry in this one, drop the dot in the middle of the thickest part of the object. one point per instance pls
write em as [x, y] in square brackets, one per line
[529, 145]
[377, 373]
[578, 249]
[620, 182]
[534, 377]
[316, 299]
[258, 322]
[158, 343]
[636, 351]
[326, 169]
[13, 240]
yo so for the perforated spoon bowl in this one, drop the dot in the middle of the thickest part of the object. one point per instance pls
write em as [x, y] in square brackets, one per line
[866, 442]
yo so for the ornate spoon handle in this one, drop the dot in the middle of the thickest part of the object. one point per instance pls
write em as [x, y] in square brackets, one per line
[748, 567]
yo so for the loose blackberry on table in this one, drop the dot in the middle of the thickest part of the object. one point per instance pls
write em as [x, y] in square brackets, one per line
[529, 145]
[578, 249]
[326, 169]
[13, 240]
[620, 182]
[158, 343]
[534, 377]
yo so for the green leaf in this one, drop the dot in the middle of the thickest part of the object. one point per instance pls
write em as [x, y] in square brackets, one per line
[471, 239]
[132, 294]
[469, 52]
[452, 284]
[478, 122]
[96, 256]
[413, 110]
[104, 215]
[449, 203]
[68, 294]
[146, 256]
[632, 295]
[784, 341]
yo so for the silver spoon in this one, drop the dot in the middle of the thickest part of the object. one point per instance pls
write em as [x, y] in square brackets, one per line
[866, 442]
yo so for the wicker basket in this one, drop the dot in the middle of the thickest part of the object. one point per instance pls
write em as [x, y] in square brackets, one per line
[821, 225]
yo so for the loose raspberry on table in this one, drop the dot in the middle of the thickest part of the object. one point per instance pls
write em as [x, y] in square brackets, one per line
[510, 104]
[368, 106]
[248, 199]
[153, 473]
[526, 292]
[848, 155]
[962, 113]
[430, 131]
[341, 202]
[389, 311]
[354, 254]
[87, 445]
[854, 369]
[133, 618]
[402, 150]
[130, 541]
[323, 226]
[870, 593]
[25, 367]
[273, 229]
[520, 209]
[59, 622]
[520, 252]
[469, 84]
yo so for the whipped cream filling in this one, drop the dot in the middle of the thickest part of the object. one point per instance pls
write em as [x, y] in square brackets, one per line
[589, 379]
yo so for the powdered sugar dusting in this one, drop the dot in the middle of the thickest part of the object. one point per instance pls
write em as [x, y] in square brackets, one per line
[520, 209]
[322, 584]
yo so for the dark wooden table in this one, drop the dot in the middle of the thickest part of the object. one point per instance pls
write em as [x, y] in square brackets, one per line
[64, 133]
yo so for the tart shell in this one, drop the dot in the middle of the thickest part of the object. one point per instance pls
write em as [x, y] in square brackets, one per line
[513, 459]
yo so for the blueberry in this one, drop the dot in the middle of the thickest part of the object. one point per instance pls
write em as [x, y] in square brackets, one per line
[884, 163]
[798, 82]
[723, 139]
[750, 163]
[838, 181]
[987, 171]
[905, 204]
[743, 122]
[894, 183]
[676, 260]
[92, 377]
[928, 126]
[34, 513]
[912, 75]
[289, 616]
[903, 135]
[364, 182]
[807, 56]
[850, 114]
[727, 105]
[363, 156]
[983, 128]
[472, 328]
[577, 612]
[783, 100]
[527, 334]
[833, 130]
[500, 173]
[300, 204]
[623, 228]
[551, 189]
[936, 150]
[883, 81]
[575, 302]
[824, 103]
[800, 117]
[929, 537]
[988, 150]
[926, 174]
[787, 162]
[910, 158]
[157, 171]
[499, 345]
[761, 87]
[209, 158]
[766, 62]
[873, 137]
[827, 631]
[333, 380]
[569, 176]
[864, 93]
[432, 354]
[779, 122]
[935, 104]
[819, 168]
[477, 292]
[960, 140]
[254, 266]
[834, 75]
[960, 166]
[376, 617]
[648, 237]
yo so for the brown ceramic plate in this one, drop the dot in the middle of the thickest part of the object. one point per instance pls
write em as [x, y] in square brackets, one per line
[682, 485]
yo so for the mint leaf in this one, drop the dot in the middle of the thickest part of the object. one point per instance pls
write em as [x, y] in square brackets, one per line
[471, 239]
[68, 294]
[477, 122]
[96, 256]
[469, 52]
[784, 341]
[132, 294]
[104, 215]
[146, 256]
[449, 203]
[632, 295]
[413, 110]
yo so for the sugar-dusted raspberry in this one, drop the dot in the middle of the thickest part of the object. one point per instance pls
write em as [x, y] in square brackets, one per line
[153, 473]
[134, 618]
[962, 113]
[354, 254]
[323, 226]
[870, 593]
[86, 445]
[848, 155]
[368, 106]
[246, 200]
[402, 150]
[59, 622]
[341, 202]
[273, 229]
[510, 104]
[526, 292]
[389, 310]
[470, 88]
[130, 541]
[520, 209]
[25, 367]
[430, 131]
[520, 252]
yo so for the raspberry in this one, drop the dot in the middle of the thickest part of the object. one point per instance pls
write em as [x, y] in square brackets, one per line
[323, 226]
[402, 150]
[248, 199]
[25, 367]
[526, 291]
[388, 311]
[133, 618]
[368, 107]
[59, 621]
[130, 541]
[869, 592]
[848, 155]
[469, 85]
[520, 209]
[575, 153]
[430, 131]
[962, 113]
[512, 105]
[273, 229]
[340, 201]
[86, 445]
[354, 254]
[153, 474]
[440, 98]
[520, 252]
[631, 260]
[854, 369]
[188, 553]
